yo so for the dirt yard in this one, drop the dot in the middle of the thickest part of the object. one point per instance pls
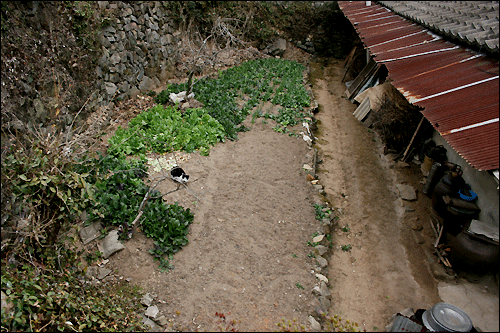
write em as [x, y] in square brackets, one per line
[248, 256]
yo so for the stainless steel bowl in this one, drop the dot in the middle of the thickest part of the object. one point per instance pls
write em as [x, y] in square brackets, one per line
[444, 317]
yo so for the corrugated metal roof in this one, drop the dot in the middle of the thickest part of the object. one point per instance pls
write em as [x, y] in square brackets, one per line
[362, 110]
[458, 88]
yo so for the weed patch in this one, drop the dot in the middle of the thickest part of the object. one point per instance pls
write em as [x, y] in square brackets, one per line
[57, 298]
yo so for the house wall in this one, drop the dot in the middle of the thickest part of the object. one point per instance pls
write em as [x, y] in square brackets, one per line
[481, 182]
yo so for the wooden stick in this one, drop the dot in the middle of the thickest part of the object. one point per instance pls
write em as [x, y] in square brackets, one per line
[445, 262]
[439, 236]
[433, 227]
[413, 138]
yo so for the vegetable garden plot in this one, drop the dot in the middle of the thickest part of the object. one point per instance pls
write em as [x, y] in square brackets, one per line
[165, 128]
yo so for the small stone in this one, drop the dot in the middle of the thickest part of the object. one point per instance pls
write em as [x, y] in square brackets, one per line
[407, 192]
[315, 182]
[152, 311]
[323, 289]
[91, 272]
[320, 249]
[322, 261]
[318, 238]
[103, 272]
[325, 302]
[326, 221]
[318, 187]
[321, 277]
[111, 244]
[111, 88]
[307, 167]
[408, 312]
[315, 326]
[91, 232]
[152, 325]
[309, 177]
[147, 299]
[162, 320]
[316, 291]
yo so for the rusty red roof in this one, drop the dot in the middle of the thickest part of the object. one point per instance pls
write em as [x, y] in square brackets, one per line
[458, 87]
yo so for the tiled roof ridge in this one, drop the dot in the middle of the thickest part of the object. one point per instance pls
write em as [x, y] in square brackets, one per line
[474, 23]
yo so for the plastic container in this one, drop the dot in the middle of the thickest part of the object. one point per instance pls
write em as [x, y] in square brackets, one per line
[467, 195]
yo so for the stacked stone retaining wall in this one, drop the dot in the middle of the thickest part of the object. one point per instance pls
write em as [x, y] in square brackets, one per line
[138, 48]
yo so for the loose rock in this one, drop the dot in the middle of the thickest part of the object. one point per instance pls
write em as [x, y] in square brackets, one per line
[320, 249]
[111, 244]
[323, 289]
[321, 277]
[153, 326]
[407, 192]
[322, 261]
[91, 232]
[152, 311]
[147, 299]
[103, 272]
[318, 238]
[315, 326]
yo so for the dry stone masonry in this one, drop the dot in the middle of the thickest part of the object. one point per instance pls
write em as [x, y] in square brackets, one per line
[138, 48]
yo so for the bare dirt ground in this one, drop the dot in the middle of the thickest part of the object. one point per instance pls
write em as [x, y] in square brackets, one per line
[387, 270]
[248, 252]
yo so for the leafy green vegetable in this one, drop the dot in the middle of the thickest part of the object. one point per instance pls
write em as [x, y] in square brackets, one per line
[277, 80]
[161, 129]
[119, 194]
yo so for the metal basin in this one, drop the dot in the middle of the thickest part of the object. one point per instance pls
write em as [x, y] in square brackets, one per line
[444, 317]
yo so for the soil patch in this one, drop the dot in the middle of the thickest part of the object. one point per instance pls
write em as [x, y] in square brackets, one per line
[253, 213]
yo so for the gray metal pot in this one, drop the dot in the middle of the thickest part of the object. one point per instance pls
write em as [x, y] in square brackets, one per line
[444, 317]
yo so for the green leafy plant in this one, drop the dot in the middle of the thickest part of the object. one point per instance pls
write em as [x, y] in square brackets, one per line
[162, 129]
[290, 326]
[56, 297]
[346, 229]
[168, 225]
[346, 248]
[119, 194]
[93, 257]
[318, 210]
[299, 286]
[272, 79]
[337, 324]
[44, 191]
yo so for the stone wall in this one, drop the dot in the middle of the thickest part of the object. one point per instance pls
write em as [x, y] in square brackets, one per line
[138, 48]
